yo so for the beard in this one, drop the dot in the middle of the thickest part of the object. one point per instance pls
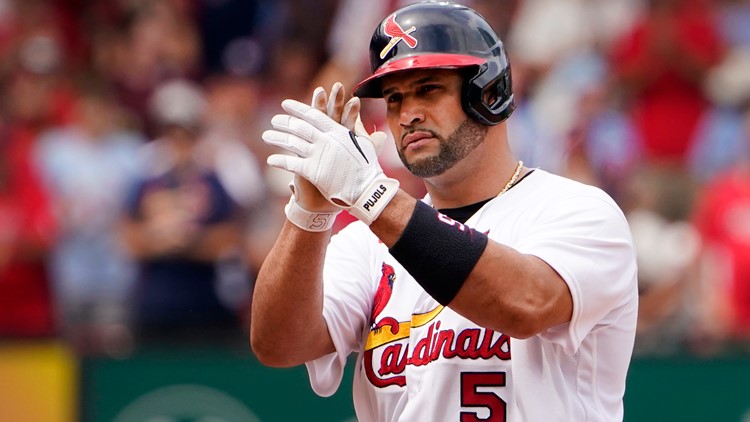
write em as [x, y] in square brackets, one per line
[459, 144]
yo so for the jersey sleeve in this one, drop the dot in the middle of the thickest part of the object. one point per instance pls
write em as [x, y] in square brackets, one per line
[347, 291]
[587, 240]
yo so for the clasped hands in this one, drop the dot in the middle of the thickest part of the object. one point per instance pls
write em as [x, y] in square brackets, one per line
[333, 158]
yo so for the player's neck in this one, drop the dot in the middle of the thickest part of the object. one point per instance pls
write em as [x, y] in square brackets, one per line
[480, 176]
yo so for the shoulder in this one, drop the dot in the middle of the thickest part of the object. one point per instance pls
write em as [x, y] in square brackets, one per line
[561, 186]
[551, 189]
[546, 200]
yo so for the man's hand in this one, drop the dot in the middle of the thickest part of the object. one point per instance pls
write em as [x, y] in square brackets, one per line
[308, 208]
[304, 193]
[341, 164]
[347, 114]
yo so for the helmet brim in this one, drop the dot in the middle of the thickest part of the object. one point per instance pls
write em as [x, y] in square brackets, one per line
[371, 87]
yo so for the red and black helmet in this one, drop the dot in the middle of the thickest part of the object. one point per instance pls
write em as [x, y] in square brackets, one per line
[448, 36]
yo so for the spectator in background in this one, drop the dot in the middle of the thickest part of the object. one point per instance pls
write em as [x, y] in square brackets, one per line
[559, 49]
[723, 208]
[153, 41]
[720, 139]
[35, 96]
[180, 224]
[37, 92]
[723, 221]
[224, 145]
[49, 26]
[227, 29]
[601, 147]
[661, 64]
[27, 229]
[660, 202]
[87, 166]
[232, 104]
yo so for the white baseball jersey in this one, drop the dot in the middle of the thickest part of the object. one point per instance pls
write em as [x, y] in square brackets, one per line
[420, 361]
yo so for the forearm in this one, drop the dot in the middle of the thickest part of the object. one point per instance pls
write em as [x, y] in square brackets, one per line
[137, 241]
[391, 223]
[507, 291]
[215, 241]
[526, 294]
[287, 325]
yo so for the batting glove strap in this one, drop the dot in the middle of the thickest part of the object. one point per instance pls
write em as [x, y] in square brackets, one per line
[308, 220]
[374, 199]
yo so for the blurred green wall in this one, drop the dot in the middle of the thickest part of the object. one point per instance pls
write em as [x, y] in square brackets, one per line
[184, 385]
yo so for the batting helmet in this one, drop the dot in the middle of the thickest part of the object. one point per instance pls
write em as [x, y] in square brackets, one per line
[448, 36]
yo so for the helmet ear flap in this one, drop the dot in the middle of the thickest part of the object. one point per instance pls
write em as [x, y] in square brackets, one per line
[487, 93]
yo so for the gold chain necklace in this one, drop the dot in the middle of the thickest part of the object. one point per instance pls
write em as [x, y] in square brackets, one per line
[508, 185]
[513, 178]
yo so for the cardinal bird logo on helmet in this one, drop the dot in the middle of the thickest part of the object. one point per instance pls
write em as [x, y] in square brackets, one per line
[385, 289]
[397, 33]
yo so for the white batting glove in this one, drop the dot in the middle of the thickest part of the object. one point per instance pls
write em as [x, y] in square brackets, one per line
[307, 207]
[351, 120]
[304, 194]
[341, 164]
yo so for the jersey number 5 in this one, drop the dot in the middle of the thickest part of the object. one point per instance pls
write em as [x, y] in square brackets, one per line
[472, 397]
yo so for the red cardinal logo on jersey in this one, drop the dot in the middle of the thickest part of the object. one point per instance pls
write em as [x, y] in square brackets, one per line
[385, 289]
[397, 33]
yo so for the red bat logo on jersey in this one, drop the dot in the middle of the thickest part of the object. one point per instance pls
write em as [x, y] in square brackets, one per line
[397, 33]
[385, 289]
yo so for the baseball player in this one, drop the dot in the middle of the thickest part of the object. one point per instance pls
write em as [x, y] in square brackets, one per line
[507, 293]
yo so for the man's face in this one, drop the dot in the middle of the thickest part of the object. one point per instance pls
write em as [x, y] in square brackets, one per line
[424, 113]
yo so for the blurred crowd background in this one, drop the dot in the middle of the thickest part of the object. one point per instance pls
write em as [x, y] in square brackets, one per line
[136, 206]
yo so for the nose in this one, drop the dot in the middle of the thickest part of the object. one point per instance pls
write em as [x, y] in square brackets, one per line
[411, 112]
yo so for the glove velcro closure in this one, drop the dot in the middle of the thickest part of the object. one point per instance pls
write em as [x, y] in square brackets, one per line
[308, 220]
[374, 199]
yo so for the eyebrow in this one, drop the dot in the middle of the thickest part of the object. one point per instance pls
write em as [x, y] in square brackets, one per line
[420, 81]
